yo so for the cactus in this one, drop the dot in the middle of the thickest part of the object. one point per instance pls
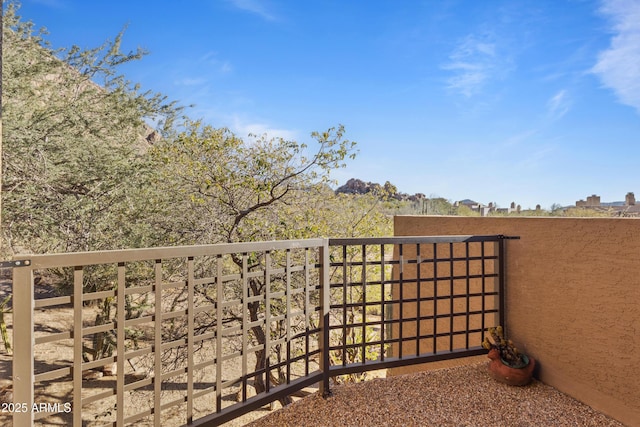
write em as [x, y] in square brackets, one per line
[4, 335]
[507, 349]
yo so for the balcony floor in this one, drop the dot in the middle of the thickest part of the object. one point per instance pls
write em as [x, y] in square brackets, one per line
[458, 396]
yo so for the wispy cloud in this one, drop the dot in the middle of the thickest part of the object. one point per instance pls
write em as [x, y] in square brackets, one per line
[208, 63]
[187, 81]
[558, 105]
[220, 65]
[56, 4]
[244, 128]
[535, 158]
[473, 63]
[518, 139]
[258, 7]
[618, 67]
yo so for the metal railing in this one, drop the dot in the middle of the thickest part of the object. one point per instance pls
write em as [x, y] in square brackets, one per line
[442, 294]
[203, 334]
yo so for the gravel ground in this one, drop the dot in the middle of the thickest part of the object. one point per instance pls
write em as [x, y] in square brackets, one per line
[460, 396]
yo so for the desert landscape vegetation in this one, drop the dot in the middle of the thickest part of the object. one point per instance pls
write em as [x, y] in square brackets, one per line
[92, 162]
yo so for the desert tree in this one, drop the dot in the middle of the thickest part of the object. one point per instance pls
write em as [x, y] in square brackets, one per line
[75, 139]
[231, 189]
[75, 160]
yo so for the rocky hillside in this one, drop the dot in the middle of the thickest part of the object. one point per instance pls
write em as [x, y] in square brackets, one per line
[388, 190]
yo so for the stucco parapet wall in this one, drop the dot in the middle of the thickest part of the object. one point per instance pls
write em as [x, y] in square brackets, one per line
[572, 300]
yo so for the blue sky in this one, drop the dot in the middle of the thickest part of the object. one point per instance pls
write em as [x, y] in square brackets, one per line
[536, 102]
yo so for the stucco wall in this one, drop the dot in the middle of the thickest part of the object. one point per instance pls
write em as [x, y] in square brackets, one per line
[572, 300]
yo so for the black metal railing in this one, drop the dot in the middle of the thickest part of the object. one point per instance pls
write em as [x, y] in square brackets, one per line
[430, 299]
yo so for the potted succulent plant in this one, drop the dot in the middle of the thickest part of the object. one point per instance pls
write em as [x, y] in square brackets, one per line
[507, 364]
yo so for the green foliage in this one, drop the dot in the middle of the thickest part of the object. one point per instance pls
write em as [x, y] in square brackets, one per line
[556, 208]
[463, 210]
[74, 142]
[4, 304]
[437, 206]
[75, 162]
[83, 170]
[237, 190]
[586, 212]
[354, 354]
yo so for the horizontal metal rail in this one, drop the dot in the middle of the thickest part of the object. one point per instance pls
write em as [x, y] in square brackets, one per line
[132, 255]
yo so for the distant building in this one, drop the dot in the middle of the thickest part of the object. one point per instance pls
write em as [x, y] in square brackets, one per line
[627, 207]
[474, 206]
[512, 208]
[630, 199]
[485, 210]
[592, 201]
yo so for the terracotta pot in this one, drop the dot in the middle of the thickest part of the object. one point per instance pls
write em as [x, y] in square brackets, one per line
[503, 373]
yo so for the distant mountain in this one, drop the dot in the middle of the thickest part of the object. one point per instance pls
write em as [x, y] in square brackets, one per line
[388, 190]
[357, 186]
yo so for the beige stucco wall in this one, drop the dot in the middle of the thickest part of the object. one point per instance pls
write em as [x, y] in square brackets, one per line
[572, 300]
